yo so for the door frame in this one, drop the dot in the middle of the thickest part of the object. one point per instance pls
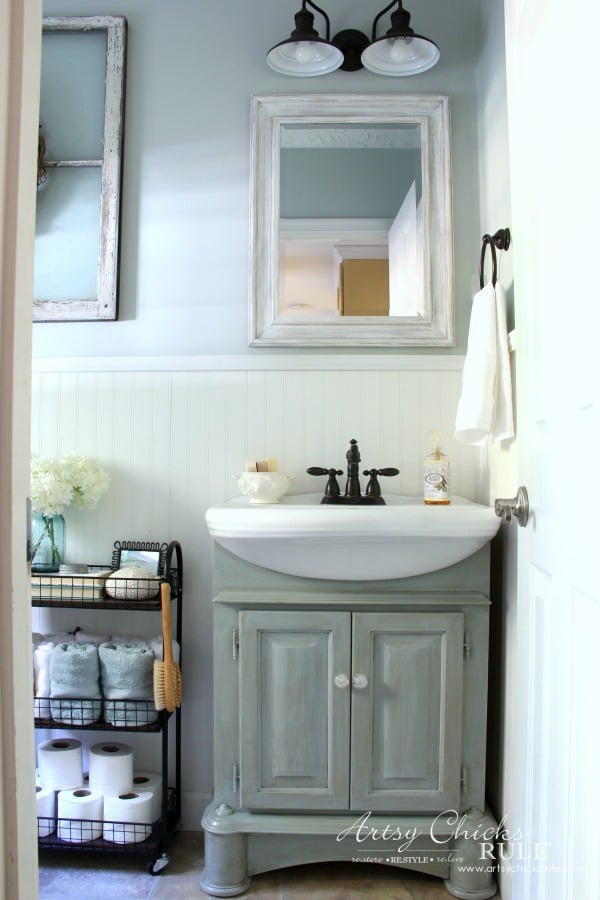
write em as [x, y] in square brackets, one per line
[20, 46]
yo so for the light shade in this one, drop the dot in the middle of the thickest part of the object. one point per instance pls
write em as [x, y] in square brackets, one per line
[400, 51]
[305, 53]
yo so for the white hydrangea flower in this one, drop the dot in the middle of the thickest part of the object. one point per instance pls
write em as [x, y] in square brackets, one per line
[51, 492]
[58, 483]
[90, 482]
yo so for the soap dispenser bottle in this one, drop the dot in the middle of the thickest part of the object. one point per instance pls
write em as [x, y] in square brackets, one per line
[436, 475]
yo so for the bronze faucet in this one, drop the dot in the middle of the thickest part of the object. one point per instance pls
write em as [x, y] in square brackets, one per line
[352, 494]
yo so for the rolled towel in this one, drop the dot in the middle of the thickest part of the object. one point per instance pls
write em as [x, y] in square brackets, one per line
[127, 672]
[41, 684]
[134, 639]
[75, 684]
[156, 644]
[88, 637]
[62, 637]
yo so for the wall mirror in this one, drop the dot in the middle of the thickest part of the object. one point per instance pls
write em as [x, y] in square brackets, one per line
[79, 168]
[351, 221]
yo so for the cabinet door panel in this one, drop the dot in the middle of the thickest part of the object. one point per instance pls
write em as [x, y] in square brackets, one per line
[406, 723]
[294, 722]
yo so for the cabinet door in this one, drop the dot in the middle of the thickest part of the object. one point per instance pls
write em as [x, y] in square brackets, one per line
[407, 715]
[294, 720]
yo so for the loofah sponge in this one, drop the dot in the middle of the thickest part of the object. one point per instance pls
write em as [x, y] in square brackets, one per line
[132, 583]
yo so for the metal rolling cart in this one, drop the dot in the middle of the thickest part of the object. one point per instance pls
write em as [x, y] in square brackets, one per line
[65, 591]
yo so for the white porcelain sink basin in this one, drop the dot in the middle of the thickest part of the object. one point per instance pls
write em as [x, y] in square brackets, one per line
[298, 536]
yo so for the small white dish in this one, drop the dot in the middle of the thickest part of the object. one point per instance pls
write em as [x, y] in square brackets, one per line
[263, 487]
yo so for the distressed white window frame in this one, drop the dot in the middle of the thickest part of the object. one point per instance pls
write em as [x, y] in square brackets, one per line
[104, 305]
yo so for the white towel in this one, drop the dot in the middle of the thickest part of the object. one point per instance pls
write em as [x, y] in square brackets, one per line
[503, 427]
[485, 405]
[42, 652]
[61, 637]
[89, 637]
[118, 639]
[41, 665]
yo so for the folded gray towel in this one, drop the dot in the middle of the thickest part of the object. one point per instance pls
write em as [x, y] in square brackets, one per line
[127, 671]
[75, 684]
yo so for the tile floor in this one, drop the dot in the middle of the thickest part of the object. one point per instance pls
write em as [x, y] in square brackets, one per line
[90, 876]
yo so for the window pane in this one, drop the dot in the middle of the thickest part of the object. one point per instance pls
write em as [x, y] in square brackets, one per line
[67, 243]
[72, 94]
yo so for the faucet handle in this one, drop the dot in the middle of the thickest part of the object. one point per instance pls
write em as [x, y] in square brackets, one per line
[387, 472]
[332, 488]
[373, 489]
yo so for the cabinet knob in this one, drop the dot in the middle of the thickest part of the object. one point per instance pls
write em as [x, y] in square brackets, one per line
[360, 682]
[341, 681]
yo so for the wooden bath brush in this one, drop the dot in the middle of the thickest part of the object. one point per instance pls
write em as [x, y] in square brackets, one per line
[167, 674]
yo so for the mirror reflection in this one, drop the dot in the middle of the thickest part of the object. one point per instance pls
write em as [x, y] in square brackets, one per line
[141, 559]
[351, 220]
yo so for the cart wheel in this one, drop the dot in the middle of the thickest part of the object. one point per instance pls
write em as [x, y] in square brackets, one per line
[156, 867]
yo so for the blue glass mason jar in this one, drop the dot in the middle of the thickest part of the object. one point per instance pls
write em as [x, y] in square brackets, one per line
[48, 542]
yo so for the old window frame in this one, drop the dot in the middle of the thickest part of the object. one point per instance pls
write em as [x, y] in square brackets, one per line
[104, 306]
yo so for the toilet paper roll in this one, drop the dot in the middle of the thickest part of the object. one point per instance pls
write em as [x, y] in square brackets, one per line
[45, 802]
[127, 818]
[80, 814]
[60, 764]
[150, 781]
[111, 768]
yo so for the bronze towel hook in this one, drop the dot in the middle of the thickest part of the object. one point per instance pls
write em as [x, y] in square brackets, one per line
[501, 240]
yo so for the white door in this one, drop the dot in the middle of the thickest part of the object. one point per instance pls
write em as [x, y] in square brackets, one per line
[552, 103]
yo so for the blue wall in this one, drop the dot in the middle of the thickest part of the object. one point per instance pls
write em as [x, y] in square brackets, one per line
[192, 69]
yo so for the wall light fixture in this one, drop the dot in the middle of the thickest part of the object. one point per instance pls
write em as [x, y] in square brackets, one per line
[305, 53]
[399, 52]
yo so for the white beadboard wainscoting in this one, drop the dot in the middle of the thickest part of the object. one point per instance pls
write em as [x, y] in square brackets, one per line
[174, 432]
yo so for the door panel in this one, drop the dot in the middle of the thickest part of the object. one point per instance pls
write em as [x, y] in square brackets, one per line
[407, 722]
[294, 722]
[550, 767]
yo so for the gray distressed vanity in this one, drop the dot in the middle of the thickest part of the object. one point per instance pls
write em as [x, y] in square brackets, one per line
[350, 714]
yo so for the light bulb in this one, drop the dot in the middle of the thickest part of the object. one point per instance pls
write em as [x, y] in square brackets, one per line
[400, 51]
[305, 52]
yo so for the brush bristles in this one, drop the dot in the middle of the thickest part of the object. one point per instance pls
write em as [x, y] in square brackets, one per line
[167, 696]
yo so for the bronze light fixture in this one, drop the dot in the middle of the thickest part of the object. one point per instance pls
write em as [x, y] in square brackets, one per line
[399, 52]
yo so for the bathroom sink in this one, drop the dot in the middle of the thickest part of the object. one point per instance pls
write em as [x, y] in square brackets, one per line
[298, 536]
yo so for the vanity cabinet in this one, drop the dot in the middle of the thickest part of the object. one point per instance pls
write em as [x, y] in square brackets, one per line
[350, 710]
[347, 713]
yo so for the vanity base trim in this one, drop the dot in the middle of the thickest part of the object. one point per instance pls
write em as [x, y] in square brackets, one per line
[240, 844]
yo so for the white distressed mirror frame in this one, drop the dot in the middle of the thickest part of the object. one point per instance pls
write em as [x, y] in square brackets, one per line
[432, 112]
[105, 304]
